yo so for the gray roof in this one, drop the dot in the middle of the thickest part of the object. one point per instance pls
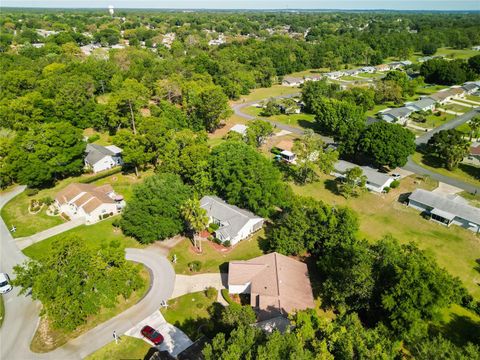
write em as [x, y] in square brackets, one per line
[233, 218]
[459, 209]
[398, 113]
[422, 103]
[470, 86]
[373, 176]
[95, 153]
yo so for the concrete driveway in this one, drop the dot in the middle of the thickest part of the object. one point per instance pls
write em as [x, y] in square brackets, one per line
[186, 284]
[175, 340]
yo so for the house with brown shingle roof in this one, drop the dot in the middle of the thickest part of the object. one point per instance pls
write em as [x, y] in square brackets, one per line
[93, 203]
[277, 284]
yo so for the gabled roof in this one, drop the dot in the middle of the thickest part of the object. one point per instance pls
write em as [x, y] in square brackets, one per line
[470, 86]
[95, 152]
[233, 218]
[281, 283]
[86, 196]
[239, 128]
[373, 176]
[422, 103]
[398, 113]
[446, 205]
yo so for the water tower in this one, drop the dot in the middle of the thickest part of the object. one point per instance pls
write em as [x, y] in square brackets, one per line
[110, 10]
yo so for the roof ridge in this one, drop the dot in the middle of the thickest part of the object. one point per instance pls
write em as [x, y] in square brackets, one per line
[276, 276]
[233, 207]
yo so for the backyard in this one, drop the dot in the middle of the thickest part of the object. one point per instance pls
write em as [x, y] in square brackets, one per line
[213, 260]
[455, 248]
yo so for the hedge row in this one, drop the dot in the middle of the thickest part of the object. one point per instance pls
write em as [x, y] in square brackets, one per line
[103, 174]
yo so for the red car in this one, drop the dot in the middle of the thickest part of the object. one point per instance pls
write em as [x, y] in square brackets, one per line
[152, 335]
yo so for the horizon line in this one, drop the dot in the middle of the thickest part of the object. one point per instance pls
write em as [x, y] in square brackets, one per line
[238, 9]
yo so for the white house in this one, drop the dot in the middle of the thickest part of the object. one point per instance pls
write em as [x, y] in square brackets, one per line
[334, 75]
[100, 158]
[470, 87]
[425, 104]
[446, 211]
[292, 81]
[239, 128]
[397, 115]
[93, 203]
[235, 224]
[368, 69]
[376, 181]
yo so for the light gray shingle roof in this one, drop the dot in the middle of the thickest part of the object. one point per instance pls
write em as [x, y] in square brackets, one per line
[233, 218]
[373, 176]
[398, 113]
[444, 204]
[422, 103]
[96, 153]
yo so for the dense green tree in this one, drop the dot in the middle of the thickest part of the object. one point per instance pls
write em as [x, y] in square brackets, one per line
[313, 91]
[474, 63]
[154, 212]
[448, 147]
[74, 282]
[134, 148]
[388, 91]
[243, 177]
[364, 97]
[441, 348]
[195, 217]
[446, 72]
[353, 184]
[270, 108]
[46, 153]
[257, 132]
[387, 144]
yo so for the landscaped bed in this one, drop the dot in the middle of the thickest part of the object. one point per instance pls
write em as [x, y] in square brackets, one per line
[211, 259]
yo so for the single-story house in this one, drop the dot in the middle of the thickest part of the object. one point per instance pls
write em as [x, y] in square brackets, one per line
[292, 81]
[277, 284]
[314, 77]
[473, 157]
[100, 158]
[382, 67]
[368, 69]
[94, 203]
[376, 181]
[285, 146]
[476, 48]
[397, 115]
[424, 59]
[446, 211]
[395, 65]
[470, 87]
[444, 96]
[424, 104]
[334, 75]
[235, 224]
[351, 72]
[239, 128]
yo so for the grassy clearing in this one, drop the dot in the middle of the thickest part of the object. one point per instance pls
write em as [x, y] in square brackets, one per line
[459, 325]
[473, 199]
[467, 173]
[430, 89]
[16, 211]
[378, 108]
[455, 249]
[47, 338]
[213, 260]
[189, 312]
[456, 53]
[433, 120]
[473, 98]
[264, 93]
[457, 108]
[297, 120]
[376, 75]
[127, 348]
[105, 138]
[2, 310]
[92, 235]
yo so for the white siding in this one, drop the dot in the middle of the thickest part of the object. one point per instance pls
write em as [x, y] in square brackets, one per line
[239, 289]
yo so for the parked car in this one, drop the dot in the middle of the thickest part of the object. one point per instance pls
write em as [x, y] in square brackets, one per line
[396, 176]
[152, 335]
[5, 286]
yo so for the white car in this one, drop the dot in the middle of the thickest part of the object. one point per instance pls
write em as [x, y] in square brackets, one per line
[5, 286]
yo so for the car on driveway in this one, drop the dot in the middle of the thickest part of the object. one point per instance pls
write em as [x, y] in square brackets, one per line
[5, 286]
[152, 335]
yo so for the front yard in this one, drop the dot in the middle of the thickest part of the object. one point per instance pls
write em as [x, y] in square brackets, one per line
[213, 260]
[455, 249]
[457, 108]
[297, 120]
[433, 120]
[127, 348]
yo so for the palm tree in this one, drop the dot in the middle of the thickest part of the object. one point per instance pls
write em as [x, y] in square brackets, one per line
[196, 218]
[475, 126]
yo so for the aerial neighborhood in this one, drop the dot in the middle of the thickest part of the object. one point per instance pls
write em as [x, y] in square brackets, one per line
[243, 184]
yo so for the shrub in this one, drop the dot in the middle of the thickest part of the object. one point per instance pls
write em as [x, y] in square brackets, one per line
[47, 200]
[217, 241]
[104, 216]
[213, 227]
[195, 266]
[93, 138]
[211, 293]
[395, 184]
[227, 297]
[199, 306]
[386, 190]
[31, 191]
[99, 176]
[227, 243]
[65, 216]
[116, 222]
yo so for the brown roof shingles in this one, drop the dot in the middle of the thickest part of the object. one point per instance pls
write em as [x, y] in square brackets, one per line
[91, 198]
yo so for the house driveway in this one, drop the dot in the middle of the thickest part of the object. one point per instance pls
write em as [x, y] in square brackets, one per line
[175, 340]
[186, 284]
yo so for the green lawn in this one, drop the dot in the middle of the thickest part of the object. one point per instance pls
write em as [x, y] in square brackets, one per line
[16, 212]
[464, 172]
[457, 53]
[105, 139]
[189, 312]
[457, 108]
[434, 121]
[127, 348]
[377, 75]
[473, 98]
[265, 93]
[213, 260]
[455, 249]
[378, 108]
[430, 89]
[93, 235]
[459, 325]
[2, 310]
[297, 120]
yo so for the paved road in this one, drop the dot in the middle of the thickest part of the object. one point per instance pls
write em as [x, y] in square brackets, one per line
[21, 313]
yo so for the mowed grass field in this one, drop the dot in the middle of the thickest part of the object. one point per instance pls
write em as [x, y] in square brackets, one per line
[127, 348]
[455, 249]
[265, 93]
[297, 120]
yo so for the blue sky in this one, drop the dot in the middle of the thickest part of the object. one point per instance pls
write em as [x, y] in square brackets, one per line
[256, 4]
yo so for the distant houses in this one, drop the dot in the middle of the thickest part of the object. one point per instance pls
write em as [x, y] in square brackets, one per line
[292, 81]
[234, 224]
[93, 203]
[471, 87]
[446, 211]
[277, 285]
[100, 158]
[376, 181]
[473, 157]
[444, 96]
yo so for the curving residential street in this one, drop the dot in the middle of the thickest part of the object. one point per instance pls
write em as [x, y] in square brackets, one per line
[21, 313]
